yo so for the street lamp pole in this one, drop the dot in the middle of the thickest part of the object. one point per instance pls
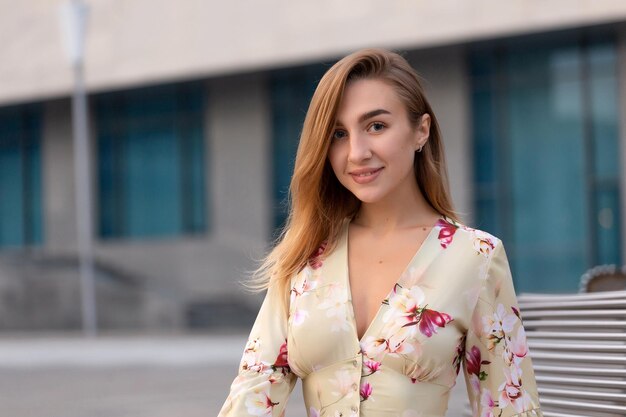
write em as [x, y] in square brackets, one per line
[73, 16]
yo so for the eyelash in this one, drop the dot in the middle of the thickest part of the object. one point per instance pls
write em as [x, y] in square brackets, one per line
[334, 135]
[378, 123]
[382, 125]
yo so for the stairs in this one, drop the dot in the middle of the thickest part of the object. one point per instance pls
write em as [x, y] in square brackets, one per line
[42, 292]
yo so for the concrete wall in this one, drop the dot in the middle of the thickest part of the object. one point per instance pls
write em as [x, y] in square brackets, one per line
[239, 123]
[58, 177]
[238, 172]
[447, 87]
[146, 41]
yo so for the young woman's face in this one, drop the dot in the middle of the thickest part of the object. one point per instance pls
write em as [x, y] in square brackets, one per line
[373, 143]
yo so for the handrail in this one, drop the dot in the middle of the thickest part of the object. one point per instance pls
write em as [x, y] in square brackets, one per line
[581, 347]
[614, 324]
[576, 296]
[587, 382]
[604, 336]
[615, 360]
[573, 313]
[577, 370]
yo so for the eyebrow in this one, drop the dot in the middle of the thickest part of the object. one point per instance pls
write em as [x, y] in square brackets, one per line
[369, 115]
[372, 113]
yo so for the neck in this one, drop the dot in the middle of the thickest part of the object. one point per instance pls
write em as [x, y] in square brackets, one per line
[405, 209]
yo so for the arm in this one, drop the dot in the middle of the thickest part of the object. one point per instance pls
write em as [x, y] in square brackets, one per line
[264, 381]
[497, 366]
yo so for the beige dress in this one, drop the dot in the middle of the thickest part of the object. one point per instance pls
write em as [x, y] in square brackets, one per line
[453, 308]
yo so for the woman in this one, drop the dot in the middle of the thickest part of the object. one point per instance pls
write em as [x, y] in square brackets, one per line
[377, 294]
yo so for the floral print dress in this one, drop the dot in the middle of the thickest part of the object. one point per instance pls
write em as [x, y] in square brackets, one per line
[453, 308]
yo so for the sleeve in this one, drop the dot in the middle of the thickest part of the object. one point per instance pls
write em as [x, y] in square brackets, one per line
[264, 380]
[497, 365]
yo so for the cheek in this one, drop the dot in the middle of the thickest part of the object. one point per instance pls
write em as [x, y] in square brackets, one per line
[336, 160]
[404, 158]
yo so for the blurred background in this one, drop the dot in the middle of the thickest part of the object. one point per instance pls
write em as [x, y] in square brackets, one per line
[194, 110]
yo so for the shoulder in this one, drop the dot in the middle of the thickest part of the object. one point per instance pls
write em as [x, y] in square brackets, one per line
[467, 238]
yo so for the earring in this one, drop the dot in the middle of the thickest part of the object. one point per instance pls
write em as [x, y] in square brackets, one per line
[420, 149]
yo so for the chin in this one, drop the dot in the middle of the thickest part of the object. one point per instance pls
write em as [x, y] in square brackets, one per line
[367, 196]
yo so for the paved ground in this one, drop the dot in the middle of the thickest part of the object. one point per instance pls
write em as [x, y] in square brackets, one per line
[121, 376]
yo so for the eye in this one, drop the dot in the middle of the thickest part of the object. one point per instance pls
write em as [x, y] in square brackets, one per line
[377, 127]
[339, 134]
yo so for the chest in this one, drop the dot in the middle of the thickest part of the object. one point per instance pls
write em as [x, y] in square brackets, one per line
[336, 313]
[375, 266]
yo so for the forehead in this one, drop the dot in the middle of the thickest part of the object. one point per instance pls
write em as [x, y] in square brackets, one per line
[365, 95]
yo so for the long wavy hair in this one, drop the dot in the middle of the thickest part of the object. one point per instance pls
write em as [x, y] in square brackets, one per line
[318, 202]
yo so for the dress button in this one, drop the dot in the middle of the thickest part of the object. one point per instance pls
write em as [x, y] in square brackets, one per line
[355, 386]
[354, 408]
[355, 363]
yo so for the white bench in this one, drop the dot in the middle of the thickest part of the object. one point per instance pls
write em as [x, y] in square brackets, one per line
[578, 346]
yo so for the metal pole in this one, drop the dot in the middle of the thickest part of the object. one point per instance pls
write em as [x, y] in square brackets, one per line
[83, 202]
[74, 19]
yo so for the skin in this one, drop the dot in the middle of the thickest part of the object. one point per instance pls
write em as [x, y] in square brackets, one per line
[373, 131]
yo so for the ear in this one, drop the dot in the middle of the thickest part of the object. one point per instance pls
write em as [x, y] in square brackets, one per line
[422, 130]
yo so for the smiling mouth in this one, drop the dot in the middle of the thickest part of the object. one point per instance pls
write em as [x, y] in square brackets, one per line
[365, 177]
[366, 174]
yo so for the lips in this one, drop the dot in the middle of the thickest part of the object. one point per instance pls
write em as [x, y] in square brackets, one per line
[363, 176]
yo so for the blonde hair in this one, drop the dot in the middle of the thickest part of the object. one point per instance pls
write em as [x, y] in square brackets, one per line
[318, 202]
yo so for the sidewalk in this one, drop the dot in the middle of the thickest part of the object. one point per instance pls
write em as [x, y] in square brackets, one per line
[104, 351]
[128, 376]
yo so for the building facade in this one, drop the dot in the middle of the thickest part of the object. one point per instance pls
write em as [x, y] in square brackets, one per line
[195, 114]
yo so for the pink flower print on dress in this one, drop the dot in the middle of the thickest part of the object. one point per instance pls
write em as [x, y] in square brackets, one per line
[516, 347]
[370, 367]
[519, 344]
[299, 316]
[305, 283]
[483, 243]
[252, 345]
[401, 342]
[488, 404]
[431, 319]
[404, 305]
[252, 357]
[446, 233]
[472, 359]
[498, 325]
[511, 391]
[460, 353]
[260, 404]
[334, 304]
[473, 362]
[366, 391]
[344, 383]
[303, 286]
[282, 359]
[374, 348]
[406, 310]
[315, 261]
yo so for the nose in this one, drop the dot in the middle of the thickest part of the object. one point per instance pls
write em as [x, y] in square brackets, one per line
[359, 149]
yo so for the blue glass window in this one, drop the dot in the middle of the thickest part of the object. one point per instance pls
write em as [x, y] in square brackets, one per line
[151, 161]
[20, 176]
[546, 146]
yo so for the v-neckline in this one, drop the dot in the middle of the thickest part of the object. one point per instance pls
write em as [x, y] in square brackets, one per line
[346, 260]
